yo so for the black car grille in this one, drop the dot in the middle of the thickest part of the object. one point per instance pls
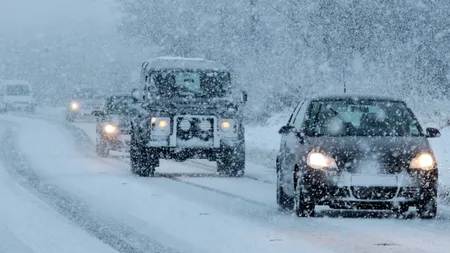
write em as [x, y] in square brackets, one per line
[201, 128]
[374, 193]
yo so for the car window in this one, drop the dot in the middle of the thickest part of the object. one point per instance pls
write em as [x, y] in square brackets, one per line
[299, 118]
[294, 113]
[362, 118]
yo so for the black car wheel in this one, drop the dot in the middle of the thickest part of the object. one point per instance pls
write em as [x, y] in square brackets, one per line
[101, 147]
[427, 207]
[142, 163]
[284, 201]
[70, 117]
[231, 163]
[304, 205]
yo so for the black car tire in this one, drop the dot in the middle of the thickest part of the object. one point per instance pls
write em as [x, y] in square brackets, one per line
[70, 118]
[427, 207]
[231, 163]
[142, 163]
[101, 148]
[303, 204]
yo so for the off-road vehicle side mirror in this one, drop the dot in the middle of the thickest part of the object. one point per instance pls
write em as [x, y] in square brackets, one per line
[244, 97]
[433, 132]
[286, 129]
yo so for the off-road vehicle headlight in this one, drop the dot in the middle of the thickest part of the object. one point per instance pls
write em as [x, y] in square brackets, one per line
[160, 125]
[74, 106]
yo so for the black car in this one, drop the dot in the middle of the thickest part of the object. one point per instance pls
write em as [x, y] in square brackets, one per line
[113, 127]
[188, 111]
[356, 152]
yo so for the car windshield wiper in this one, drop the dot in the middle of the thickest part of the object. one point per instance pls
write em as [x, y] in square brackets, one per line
[336, 113]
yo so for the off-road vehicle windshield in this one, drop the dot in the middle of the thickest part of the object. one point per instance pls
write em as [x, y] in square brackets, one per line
[361, 118]
[17, 90]
[119, 105]
[191, 83]
[86, 94]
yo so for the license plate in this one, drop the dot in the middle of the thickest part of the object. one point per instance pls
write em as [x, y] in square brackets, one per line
[374, 180]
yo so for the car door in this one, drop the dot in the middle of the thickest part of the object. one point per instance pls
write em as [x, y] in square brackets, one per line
[293, 148]
[285, 150]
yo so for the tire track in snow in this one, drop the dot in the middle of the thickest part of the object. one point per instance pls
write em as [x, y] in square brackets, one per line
[119, 236]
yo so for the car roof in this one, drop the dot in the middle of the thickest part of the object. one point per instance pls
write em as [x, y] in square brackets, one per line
[120, 95]
[169, 62]
[12, 82]
[356, 97]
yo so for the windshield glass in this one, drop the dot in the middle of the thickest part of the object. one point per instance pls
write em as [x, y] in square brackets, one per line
[86, 94]
[18, 90]
[190, 83]
[119, 105]
[361, 118]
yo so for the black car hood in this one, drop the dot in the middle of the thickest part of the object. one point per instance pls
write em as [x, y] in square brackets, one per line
[223, 107]
[392, 153]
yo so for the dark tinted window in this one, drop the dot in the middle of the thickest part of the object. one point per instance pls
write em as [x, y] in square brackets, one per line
[361, 118]
[17, 90]
[86, 94]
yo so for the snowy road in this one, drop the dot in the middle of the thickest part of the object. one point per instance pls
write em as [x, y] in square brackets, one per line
[55, 181]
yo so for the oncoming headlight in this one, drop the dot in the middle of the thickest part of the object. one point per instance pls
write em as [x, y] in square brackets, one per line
[318, 160]
[160, 125]
[110, 129]
[74, 106]
[424, 161]
[228, 126]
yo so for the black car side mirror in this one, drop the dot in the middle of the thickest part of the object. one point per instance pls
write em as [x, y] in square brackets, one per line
[433, 132]
[97, 113]
[244, 97]
[286, 129]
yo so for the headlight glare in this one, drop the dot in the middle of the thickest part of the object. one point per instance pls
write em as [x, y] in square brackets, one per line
[162, 124]
[424, 161]
[74, 106]
[110, 129]
[318, 160]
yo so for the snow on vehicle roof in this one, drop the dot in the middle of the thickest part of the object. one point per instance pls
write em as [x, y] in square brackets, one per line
[356, 96]
[8, 82]
[173, 62]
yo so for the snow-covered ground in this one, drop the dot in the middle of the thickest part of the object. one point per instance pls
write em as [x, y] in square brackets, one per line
[185, 208]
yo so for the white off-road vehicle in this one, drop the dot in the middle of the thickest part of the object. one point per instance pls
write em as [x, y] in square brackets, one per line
[189, 110]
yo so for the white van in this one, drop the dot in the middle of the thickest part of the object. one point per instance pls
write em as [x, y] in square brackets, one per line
[17, 95]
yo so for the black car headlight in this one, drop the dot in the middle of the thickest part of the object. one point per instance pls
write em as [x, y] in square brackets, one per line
[318, 160]
[424, 161]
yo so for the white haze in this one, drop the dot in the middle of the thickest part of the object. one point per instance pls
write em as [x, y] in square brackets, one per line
[280, 51]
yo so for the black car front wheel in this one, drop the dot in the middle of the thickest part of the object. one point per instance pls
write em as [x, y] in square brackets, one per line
[231, 163]
[427, 206]
[304, 204]
[101, 147]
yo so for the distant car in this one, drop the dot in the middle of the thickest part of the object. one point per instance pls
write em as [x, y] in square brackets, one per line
[82, 102]
[360, 152]
[16, 95]
[113, 125]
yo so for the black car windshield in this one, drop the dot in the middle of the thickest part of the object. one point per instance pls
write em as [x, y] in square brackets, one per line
[191, 83]
[17, 90]
[86, 94]
[119, 105]
[361, 118]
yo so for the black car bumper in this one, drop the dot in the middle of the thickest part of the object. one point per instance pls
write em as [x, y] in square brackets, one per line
[339, 190]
